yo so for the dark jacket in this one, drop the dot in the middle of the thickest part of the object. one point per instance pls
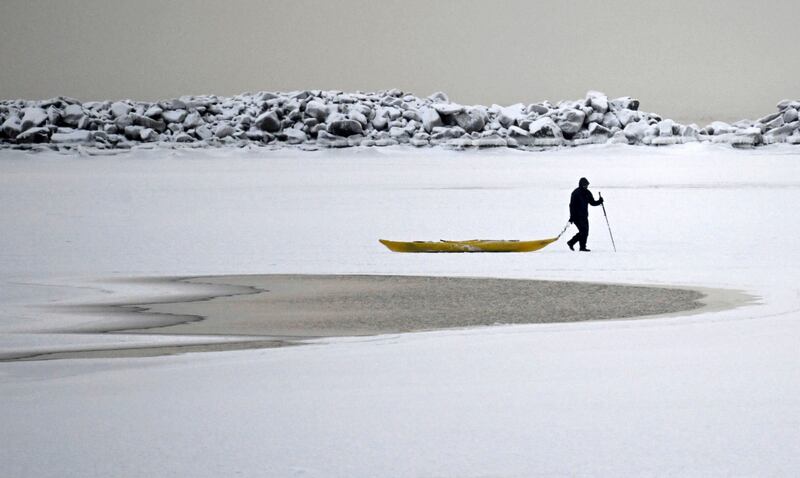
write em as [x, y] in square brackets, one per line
[579, 204]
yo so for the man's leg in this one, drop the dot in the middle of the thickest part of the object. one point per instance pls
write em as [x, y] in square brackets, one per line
[583, 233]
[571, 243]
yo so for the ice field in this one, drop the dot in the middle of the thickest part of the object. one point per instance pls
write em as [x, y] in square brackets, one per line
[710, 394]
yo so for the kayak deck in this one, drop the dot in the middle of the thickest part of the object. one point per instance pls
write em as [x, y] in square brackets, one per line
[473, 245]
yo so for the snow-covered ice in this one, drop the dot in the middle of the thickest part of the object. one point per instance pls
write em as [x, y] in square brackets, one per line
[715, 394]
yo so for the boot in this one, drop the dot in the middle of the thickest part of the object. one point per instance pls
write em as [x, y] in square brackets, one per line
[571, 245]
[585, 250]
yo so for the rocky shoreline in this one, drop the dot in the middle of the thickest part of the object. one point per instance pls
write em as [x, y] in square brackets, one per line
[313, 119]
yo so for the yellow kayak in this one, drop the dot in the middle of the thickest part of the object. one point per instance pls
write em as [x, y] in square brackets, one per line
[474, 245]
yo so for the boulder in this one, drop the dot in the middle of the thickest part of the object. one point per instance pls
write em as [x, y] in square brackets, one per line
[597, 129]
[595, 117]
[624, 103]
[317, 110]
[345, 127]
[79, 136]
[412, 115]
[520, 136]
[448, 109]
[570, 121]
[380, 122]
[192, 120]
[174, 116]
[224, 130]
[545, 127]
[358, 116]
[204, 132]
[625, 117]
[120, 108]
[665, 128]
[491, 140]
[133, 132]
[439, 97]
[53, 115]
[147, 122]
[597, 101]
[148, 135]
[431, 119]
[72, 114]
[539, 109]
[472, 119]
[510, 114]
[11, 127]
[183, 138]
[420, 139]
[785, 129]
[775, 123]
[789, 115]
[295, 136]
[268, 122]
[33, 117]
[635, 131]
[399, 134]
[328, 140]
[720, 127]
[154, 111]
[39, 134]
[611, 121]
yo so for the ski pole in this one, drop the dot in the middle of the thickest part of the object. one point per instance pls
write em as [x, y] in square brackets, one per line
[607, 224]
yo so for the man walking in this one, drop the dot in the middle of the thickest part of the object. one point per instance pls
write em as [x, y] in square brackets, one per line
[579, 213]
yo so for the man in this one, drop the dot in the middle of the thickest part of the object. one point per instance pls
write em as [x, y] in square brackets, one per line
[579, 213]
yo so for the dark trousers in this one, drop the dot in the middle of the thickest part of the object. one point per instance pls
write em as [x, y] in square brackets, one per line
[583, 232]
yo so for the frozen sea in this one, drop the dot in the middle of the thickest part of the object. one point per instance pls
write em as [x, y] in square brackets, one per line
[714, 394]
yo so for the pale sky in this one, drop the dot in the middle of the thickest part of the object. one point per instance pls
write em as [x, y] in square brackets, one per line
[689, 60]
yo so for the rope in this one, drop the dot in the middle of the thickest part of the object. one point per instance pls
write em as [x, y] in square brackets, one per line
[563, 231]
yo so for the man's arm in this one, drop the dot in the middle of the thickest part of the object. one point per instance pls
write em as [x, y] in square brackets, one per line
[591, 199]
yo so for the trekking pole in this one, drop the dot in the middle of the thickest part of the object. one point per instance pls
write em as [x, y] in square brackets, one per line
[607, 224]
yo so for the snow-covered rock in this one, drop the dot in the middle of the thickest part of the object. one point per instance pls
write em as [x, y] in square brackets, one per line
[317, 110]
[72, 115]
[345, 127]
[80, 136]
[33, 117]
[431, 119]
[472, 119]
[545, 127]
[34, 135]
[597, 101]
[174, 116]
[192, 120]
[268, 122]
[570, 121]
[120, 108]
[223, 131]
[328, 140]
[339, 119]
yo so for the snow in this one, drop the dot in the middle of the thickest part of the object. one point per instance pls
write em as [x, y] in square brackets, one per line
[715, 394]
